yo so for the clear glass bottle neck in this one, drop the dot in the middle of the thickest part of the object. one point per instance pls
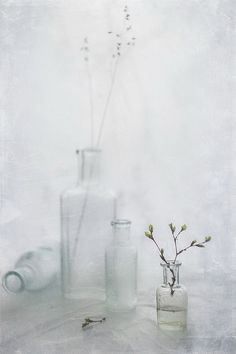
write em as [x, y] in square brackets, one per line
[121, 232]
[169, 270]
[17, 280]
[89, 168]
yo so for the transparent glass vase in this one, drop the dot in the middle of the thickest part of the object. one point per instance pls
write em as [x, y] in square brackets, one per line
[172, 299]
[121, 269]
[33, 271]
[86, 211]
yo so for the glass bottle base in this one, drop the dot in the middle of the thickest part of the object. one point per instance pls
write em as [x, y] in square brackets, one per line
[85, 294]
[123, 309]
[172, 319]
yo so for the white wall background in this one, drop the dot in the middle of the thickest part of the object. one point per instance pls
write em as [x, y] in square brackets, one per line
[169, 132]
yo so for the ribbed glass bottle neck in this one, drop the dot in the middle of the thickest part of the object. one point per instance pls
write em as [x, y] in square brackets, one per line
[121, 232]
[169, 270]
[89, 166]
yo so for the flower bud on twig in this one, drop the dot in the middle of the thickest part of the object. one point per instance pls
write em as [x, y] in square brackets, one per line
[208, 238]
[148, 235]
[150, 228]
[172, 227]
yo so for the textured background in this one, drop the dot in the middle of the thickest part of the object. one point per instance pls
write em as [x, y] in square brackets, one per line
[169, 136]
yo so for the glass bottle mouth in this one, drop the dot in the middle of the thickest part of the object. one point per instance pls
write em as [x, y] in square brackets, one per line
[120, 222]
[13, 282]
[90, 150]
[171, 263]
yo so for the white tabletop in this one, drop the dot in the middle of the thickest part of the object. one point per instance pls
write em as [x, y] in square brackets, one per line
[44, 323]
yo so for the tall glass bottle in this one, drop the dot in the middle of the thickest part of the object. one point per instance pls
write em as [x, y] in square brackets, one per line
[121, 269]
[33, 271]
[86, 211]
[172, 302]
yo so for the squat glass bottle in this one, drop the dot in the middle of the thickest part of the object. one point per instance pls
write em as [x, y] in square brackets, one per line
[172, 301]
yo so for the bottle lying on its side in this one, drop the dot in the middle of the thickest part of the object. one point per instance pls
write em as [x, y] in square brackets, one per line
[34, 270]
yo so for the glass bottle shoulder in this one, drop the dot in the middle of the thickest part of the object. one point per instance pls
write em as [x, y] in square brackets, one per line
[38, 254]
[127, 247]
[179, 289]
[80, 190]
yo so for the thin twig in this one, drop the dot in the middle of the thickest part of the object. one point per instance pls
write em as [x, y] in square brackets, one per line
[194, 243]
[91, 103]
[82, 214]
[107, 103]
[119, 45]
[102, 123]
[88, 321]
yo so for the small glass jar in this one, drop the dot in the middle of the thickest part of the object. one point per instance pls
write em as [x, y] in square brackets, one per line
[172, 299]
[121, 269]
